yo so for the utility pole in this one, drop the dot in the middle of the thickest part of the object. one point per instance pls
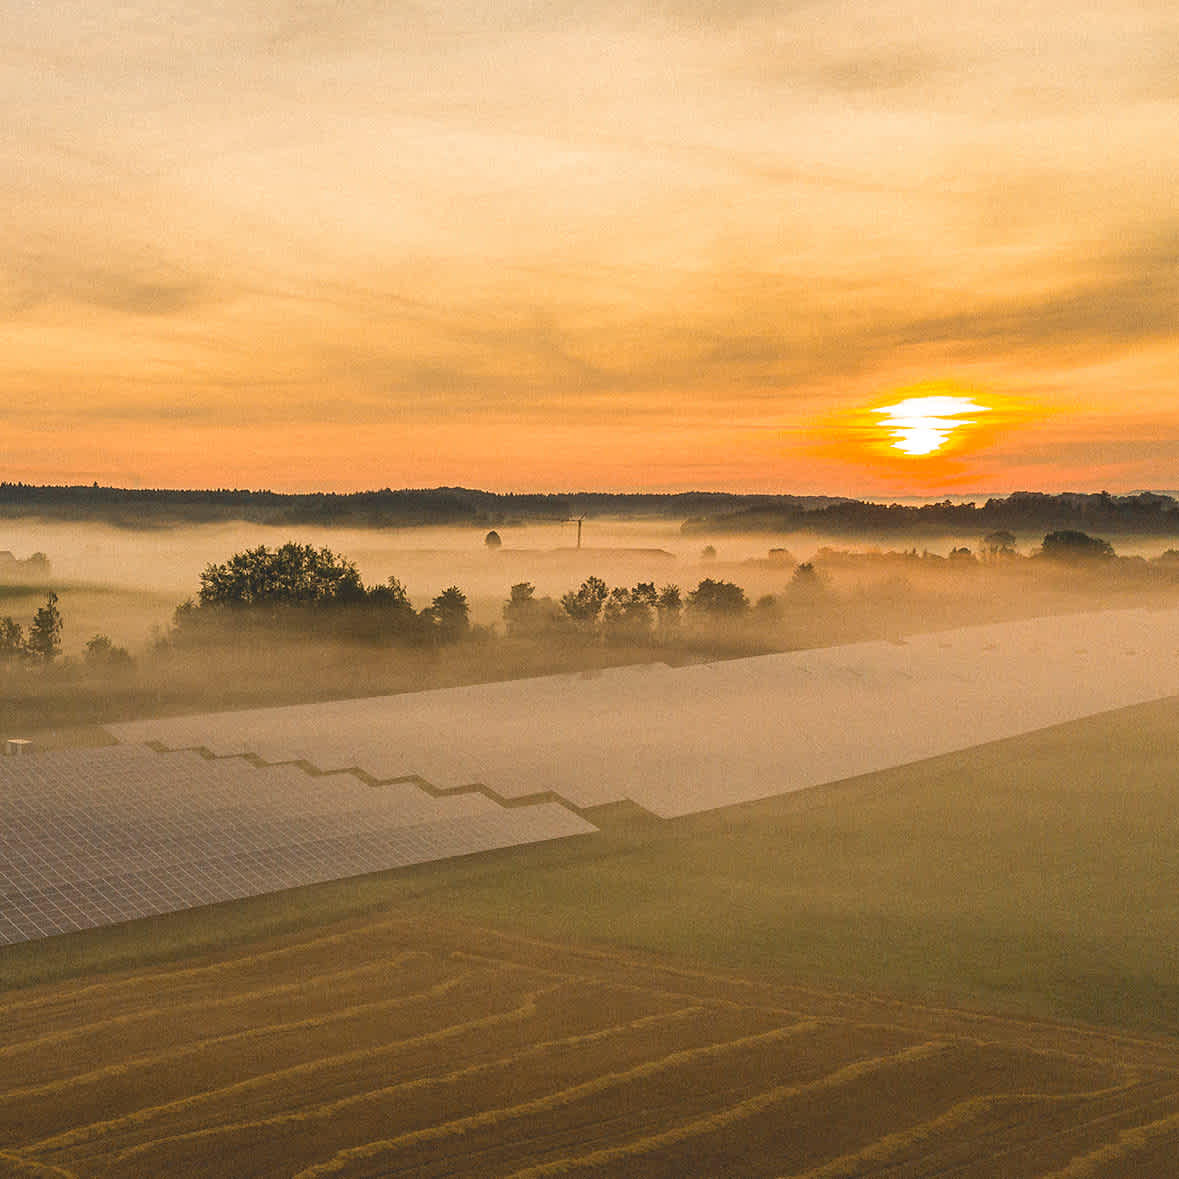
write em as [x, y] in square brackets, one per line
[575, 520]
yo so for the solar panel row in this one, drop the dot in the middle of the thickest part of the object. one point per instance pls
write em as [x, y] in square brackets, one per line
[91, 837]
[678, 740]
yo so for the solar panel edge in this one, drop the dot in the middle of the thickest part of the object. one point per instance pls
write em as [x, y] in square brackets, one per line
[62, 871]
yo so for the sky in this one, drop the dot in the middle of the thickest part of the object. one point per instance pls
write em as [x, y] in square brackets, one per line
[622, 246]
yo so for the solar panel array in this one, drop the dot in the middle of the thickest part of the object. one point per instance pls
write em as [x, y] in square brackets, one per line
[90, 837]
[679, 740]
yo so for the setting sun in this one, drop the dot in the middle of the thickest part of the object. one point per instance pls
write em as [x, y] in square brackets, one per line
[923, 425]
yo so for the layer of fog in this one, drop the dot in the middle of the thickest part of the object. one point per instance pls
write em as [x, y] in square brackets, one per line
[124, 582]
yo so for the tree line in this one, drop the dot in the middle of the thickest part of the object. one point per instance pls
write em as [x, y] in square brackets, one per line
[300, 591]
[383, 508]
[1144, 513]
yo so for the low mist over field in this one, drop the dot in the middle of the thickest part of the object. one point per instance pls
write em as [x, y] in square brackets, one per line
[125, 582]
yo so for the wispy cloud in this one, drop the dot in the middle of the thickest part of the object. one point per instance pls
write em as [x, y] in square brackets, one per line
[676, 212]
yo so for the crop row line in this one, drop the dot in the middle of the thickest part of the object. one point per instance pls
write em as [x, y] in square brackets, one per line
[487, 1119]
[963, 1113]
[865, 1024]
[965, 1015]
[328, 1108]
[1127, 1143]
[696, 1127]
[155, 977]
[82, 1134]
[61, 1037]
[265, 1031]
[1085, 1126]
[32, 1168]
[641, 989]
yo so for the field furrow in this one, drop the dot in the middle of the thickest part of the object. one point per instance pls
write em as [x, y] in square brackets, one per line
[57, 1053]
[118, 1088]
[291, 1085]
[441, 1049]
[997, 1122]
[361, 1104]
[301, 954]
[172, 1154]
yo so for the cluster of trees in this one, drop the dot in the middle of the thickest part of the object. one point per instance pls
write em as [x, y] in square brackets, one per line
[1065, 545]
[41, 643]
[641, 613]
[34, 568]
[1070, 545]
[301, 589]
[1145, 513]
[595, 608]
[298, 589]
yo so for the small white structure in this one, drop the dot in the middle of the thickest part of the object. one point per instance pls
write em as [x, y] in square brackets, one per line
[15, 746]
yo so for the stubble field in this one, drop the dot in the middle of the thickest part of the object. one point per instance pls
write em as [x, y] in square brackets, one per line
[393, 1045]
[960, 967]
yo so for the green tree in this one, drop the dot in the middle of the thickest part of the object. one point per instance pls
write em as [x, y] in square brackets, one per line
[387, 613]
[998, 544]
[629, 614]
[519, 611]
[584, 604]
[293, 574]
[1069, 545]
[718, 599]
[450, 615]
[295, 587]
[44, 641]
[527, 616]
[808, 586]
[669, 609]
[767, 609]
[392, 595]
[100, 654]
[12, 640]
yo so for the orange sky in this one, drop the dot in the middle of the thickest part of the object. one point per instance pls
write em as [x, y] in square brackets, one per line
[653, 246]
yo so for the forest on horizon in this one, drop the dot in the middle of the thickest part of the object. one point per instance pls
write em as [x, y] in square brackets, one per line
[702, 512]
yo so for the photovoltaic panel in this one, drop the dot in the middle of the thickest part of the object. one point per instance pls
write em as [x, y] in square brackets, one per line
[679, 740]
[95, 836]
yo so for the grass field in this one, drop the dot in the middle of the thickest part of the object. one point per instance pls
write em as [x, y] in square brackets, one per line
[869, 961]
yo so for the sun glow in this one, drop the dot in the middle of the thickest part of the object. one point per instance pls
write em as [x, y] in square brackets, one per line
[923, 425]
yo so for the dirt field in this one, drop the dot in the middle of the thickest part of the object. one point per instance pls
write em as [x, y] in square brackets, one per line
[392, 1045]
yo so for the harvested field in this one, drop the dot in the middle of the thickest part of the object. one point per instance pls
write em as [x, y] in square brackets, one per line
[394, 1045]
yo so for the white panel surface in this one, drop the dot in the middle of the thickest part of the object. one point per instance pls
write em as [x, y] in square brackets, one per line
[679, 740]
